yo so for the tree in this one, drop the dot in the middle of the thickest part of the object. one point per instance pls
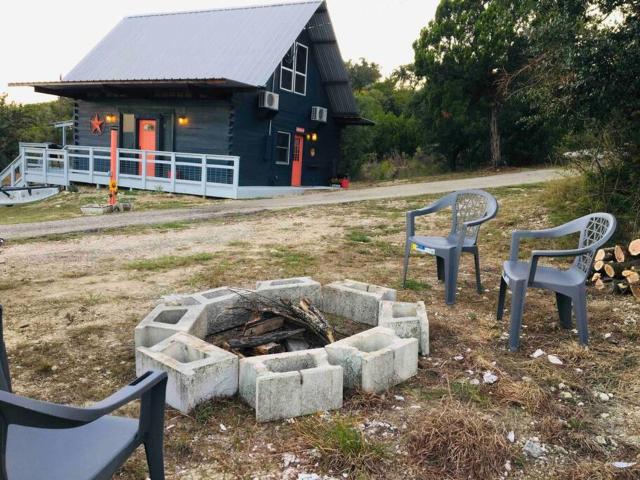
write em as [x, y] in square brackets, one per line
[363, 74]
[461, 55]
[28, 123]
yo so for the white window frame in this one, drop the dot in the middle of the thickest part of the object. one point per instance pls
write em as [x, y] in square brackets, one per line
[294, 71]
[278, 148]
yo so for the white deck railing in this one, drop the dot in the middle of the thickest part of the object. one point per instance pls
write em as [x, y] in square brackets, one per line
[189, 173]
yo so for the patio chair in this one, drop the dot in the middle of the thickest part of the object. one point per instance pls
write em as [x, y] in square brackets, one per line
[569, 284]
[41, 440]
[470, 209]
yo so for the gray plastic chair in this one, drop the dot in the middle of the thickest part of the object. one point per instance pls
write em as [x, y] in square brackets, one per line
[45, 441]
[568, 284]
[470, 209]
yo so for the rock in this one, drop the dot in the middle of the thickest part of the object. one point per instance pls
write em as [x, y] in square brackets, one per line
[554, 359]
[289, 459]
[474, 381]
[489, 377]
[399, 398]
[602, 396]
[566, 395]
[623, 464]
[601, 440]
[458, 358]
[534, 448]
[511, 436]
[538, 353]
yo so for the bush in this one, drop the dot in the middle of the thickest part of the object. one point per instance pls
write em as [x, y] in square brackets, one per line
[396, 166]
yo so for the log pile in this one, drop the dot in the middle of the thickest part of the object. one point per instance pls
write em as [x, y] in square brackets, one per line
[618, 268]
[275, 326]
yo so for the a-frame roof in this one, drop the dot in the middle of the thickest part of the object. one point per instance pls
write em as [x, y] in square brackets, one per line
[223, 48]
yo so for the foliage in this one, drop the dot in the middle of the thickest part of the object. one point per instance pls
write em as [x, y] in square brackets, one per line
[29, 123]
[363, 74]
[585, 73]
[462, 55]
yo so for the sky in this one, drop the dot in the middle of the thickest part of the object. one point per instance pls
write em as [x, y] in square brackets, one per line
[44, 39]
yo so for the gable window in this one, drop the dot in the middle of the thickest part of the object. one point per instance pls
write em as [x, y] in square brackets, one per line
[293, 70]
[283, 148]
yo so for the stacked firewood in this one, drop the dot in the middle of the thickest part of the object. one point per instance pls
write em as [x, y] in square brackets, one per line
[618, 268]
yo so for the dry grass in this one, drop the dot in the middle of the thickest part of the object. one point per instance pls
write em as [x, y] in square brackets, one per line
[458, 442]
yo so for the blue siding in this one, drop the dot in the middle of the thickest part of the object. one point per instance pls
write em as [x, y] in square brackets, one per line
[254, 131]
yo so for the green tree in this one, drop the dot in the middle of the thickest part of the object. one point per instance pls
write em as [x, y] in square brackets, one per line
[29, 123]
[461, 55]
[363, 74]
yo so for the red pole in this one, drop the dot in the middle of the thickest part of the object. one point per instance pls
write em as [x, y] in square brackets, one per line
[113, 181]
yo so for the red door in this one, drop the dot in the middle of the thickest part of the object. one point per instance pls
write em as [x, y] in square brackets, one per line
[296, 169]
[147, 141]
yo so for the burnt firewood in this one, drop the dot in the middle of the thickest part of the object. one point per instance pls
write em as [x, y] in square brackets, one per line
[252, 342]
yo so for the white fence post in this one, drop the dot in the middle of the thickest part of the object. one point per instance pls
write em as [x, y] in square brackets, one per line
[65, 157]
[91, 164]
[45, 166]
[24, 166]
[236, 175]
[144, 169]
[204, 176]
[173, 172]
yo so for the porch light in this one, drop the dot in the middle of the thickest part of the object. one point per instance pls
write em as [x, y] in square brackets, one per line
[182, 120]
[110, 118]
[314, 137]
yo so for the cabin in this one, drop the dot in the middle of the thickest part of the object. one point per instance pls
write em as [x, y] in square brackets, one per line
[235, 103]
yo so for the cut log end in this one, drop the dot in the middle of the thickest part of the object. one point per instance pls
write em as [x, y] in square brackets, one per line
[621, 253]
[634, 247]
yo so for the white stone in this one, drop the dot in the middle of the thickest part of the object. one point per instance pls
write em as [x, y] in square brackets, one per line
[375, 360]
[165, 321]
[566, 395]
[511, 436]
[623, 464]
[489, 377]
[554, 359]
[537, 353]
[407, 320]
[286, 385]
[602, 396]
[354, 300]
[291, 289]
[197, 370]
[533, 448]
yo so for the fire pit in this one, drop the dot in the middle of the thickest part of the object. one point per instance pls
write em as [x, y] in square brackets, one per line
[271, 343]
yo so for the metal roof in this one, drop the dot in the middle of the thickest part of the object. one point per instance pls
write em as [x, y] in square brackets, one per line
[243, 45]
[234, 47]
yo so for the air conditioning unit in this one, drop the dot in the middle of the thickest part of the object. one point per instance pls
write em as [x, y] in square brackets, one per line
[269, 100]
[319, 114]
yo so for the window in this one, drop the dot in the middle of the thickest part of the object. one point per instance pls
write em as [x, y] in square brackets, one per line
[283, 148]
[293, 70]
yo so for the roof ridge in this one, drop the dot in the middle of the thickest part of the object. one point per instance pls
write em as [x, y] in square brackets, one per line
[224, 9]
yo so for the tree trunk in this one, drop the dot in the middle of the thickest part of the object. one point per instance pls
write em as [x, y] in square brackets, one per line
[495, 136]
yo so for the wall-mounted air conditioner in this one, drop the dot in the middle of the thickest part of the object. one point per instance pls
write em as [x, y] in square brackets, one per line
[269, 100]
[319, 114]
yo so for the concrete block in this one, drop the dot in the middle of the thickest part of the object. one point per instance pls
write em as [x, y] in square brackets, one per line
[287, 385]
[220, 306]
[407, 320]
[164, 321]
[292, 289]
[375, 360]
[356, 301]
[197, 371]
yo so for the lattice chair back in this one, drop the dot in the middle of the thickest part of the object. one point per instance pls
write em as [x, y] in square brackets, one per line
[596, 231]
[5, 377]
[470, 205]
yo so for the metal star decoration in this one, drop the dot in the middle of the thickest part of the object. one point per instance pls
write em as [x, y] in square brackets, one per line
[96, 125]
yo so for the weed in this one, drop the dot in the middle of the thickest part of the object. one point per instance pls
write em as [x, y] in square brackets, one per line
[342, 445]
[358, 236]
[458, 442]
[416, 285]
[168, 262]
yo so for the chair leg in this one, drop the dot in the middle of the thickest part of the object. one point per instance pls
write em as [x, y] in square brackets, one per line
[564, 310]
[580, 308]
[451, 278]
[501, 298]
[440, 268]
[155, 457]
[476, 258]
[518, 293]
[407, 253]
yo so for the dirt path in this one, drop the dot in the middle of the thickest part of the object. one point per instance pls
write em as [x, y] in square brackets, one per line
[33, 230]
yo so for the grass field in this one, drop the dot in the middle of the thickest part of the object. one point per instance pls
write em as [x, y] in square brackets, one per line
[72, 304]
